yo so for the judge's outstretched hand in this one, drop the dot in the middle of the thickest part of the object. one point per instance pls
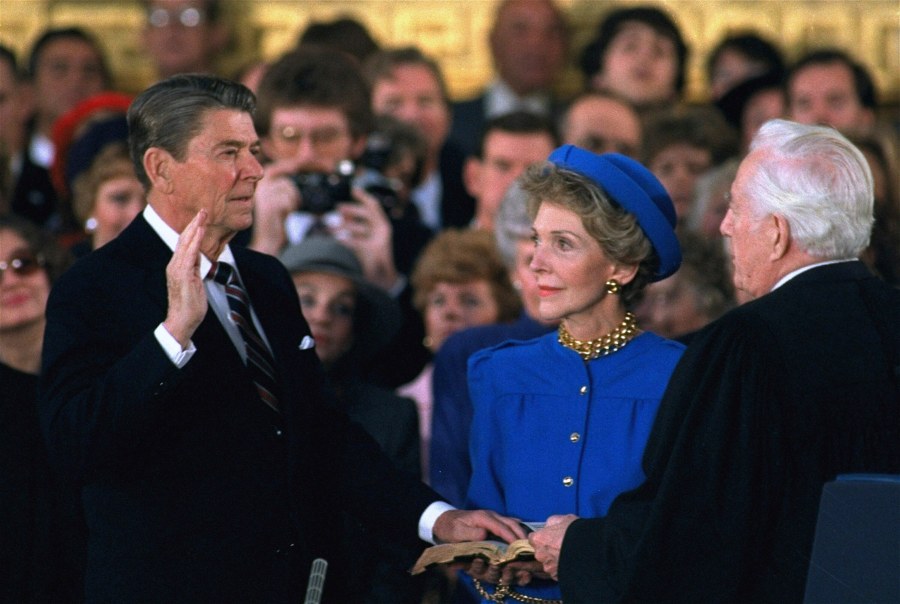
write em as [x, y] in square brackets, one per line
[463, 525]
[548, 541]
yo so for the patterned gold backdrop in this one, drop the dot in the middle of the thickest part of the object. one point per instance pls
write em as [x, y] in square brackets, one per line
[455, 31]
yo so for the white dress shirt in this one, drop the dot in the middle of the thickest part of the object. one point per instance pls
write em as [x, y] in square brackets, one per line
[500, 100]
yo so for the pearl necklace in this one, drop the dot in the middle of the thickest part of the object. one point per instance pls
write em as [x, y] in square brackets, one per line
[604, 345]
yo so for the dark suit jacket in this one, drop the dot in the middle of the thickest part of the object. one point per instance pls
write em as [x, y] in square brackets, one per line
[457, 206]
[194, 490]
[468, 123]
[381, 574]
[39, 548]
[768, 404]
[33, 194]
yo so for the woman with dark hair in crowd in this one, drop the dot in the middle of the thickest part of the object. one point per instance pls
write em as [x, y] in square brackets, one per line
[36, 564]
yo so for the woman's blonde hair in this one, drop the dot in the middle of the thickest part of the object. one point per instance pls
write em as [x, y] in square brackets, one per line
[111, 162]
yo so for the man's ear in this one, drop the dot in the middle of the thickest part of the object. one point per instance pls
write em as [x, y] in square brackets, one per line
[780, 233]
[266, 145]
[868, 118]
[158, 165]
[24, 101]
[357, 148]
[598, 80]
[472, 176]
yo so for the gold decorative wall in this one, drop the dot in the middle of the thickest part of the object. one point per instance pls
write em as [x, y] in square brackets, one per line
[454, 31]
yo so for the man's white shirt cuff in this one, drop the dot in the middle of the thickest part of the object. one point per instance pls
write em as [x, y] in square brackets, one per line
[173, 350]
[429, 517]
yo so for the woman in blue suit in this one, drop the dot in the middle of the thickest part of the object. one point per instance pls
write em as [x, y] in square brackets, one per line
[561, 421]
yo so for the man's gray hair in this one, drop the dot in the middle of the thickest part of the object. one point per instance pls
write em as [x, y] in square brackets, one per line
[819, 182]
[170, 113]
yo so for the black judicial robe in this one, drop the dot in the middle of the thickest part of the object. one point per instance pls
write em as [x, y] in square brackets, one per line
[768, 403]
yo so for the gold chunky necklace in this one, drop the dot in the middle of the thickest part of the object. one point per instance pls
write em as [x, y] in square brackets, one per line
[604, 345]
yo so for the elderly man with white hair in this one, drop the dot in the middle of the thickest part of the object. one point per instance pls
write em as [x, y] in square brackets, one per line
[769, 403]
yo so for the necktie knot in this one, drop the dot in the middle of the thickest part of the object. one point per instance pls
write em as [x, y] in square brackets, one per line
[220, 272]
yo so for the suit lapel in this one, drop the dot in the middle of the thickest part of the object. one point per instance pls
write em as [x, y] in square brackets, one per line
[146, 252]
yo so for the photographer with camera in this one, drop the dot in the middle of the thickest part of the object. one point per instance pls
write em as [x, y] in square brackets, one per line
[314, 119]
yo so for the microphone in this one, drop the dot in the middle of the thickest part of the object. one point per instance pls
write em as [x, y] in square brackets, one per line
[316, 581]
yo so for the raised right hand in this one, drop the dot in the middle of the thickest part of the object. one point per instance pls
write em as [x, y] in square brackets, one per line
[186, 293]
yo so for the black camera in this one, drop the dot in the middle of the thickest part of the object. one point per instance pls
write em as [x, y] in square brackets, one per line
[376, 157]
[380, 187]
[320, 193]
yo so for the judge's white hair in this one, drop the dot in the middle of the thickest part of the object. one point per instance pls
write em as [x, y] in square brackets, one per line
[819, 182]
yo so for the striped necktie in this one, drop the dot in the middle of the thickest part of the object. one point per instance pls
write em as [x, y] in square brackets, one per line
[259, 358]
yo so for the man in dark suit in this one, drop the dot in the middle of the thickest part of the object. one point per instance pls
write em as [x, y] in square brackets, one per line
[768, 404]
[528, 42]
[190, 413]
[409, 86]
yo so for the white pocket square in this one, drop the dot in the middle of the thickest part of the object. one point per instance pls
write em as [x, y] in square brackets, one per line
[306, 343]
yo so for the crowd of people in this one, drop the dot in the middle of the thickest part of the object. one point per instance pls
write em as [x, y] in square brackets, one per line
[318, 308]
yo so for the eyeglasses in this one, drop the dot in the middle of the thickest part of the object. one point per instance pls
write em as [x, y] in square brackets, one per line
[319, 138]
[187, 17]
[599, 144]
[22, 265]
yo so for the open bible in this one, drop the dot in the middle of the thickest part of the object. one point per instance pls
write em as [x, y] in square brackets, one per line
[495, 552]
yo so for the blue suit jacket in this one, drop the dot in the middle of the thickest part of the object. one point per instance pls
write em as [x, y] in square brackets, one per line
[450, 468]
[193, 490]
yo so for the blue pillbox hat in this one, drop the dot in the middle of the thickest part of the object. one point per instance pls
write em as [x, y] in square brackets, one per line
[637, 191]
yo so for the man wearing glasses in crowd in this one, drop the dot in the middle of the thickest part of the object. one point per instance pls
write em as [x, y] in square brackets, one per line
[184, 36]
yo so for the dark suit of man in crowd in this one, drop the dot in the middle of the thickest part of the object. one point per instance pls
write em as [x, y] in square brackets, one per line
[768, 404]
[528, 43]
[202, 476]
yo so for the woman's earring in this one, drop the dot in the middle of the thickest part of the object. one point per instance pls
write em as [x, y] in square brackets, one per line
[612, 287]
[90, 225]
